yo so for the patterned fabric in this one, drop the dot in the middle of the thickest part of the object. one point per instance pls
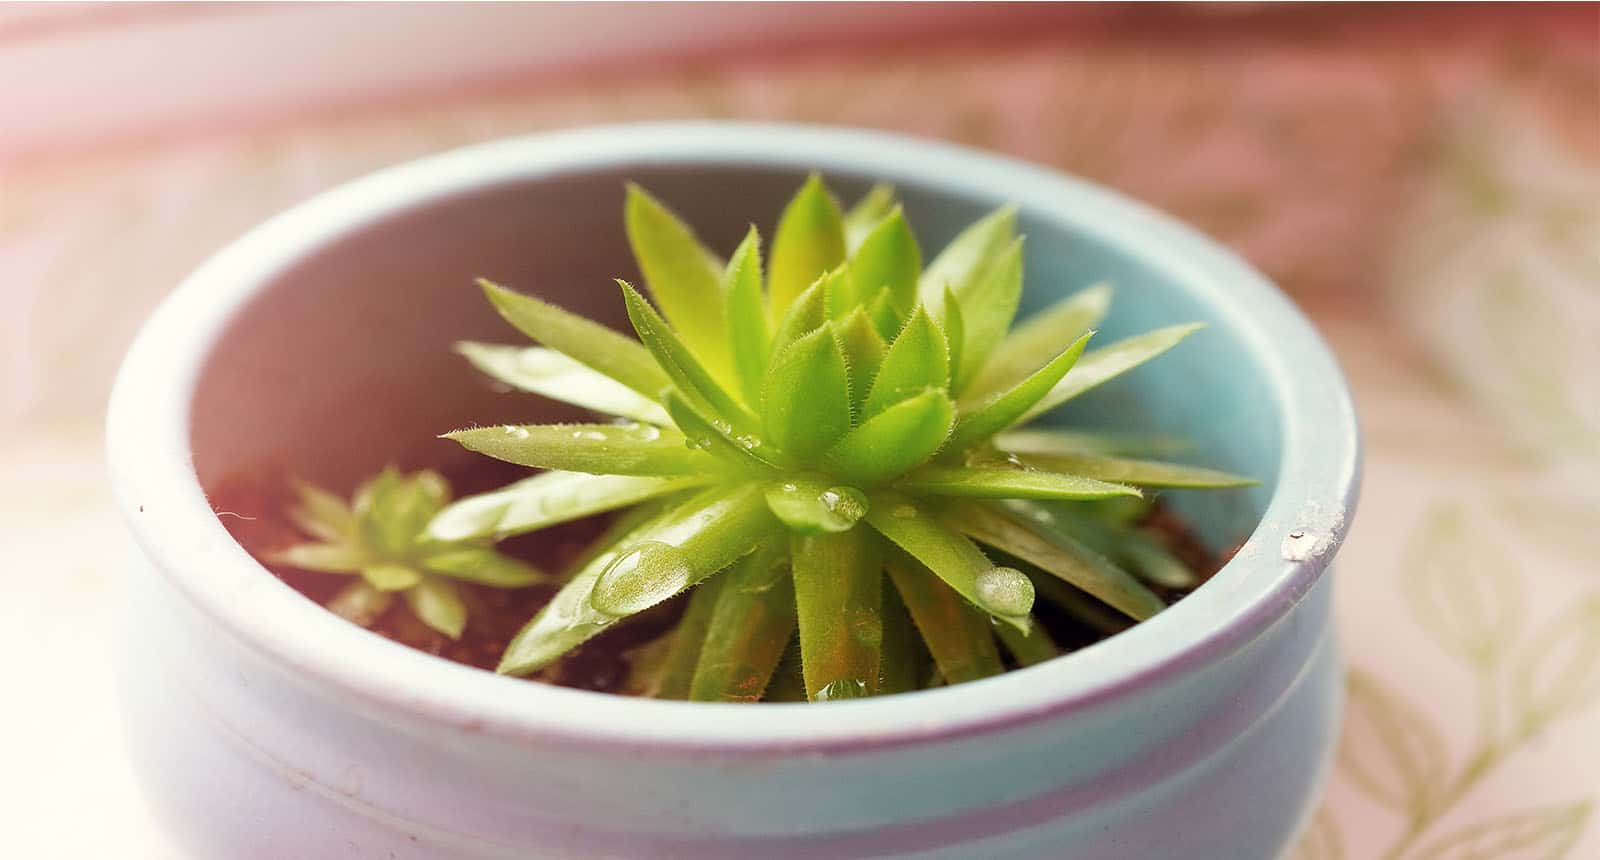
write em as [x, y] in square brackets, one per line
[1429, 193]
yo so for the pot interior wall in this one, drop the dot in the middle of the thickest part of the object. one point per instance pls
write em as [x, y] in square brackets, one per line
[344, 362]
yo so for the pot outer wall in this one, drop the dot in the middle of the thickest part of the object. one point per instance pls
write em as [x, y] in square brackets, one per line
[320, 345]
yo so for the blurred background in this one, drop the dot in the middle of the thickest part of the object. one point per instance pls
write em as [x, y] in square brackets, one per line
[1423, 180]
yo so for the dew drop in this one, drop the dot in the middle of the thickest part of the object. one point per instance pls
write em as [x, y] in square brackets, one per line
[640, 578]
[516, 432]
[903, 512]
[642, 432]
[846, 503]
[848, 688]
[1300, 545]
[1004, 591]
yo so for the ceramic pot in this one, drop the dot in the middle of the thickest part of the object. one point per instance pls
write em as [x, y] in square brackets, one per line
[318, 344]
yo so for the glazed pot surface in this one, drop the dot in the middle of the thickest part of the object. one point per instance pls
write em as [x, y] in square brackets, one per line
[320, 346]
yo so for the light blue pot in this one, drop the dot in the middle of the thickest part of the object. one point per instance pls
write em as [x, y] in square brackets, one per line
[319, 344]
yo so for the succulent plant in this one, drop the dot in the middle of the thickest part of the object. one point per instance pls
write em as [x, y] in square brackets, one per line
[822, 443]
[381, 538]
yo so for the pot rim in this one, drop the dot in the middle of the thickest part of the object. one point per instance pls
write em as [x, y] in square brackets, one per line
[161, 498]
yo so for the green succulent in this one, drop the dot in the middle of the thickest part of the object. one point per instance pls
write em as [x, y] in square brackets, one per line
[381, 537]
[823, 442]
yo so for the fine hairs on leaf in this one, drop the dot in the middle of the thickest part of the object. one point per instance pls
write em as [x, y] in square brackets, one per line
[821, 438]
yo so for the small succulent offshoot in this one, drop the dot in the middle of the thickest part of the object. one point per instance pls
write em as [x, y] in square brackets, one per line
[381, 538]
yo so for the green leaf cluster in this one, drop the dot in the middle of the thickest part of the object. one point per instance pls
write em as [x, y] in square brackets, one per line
[815, 433]
[381, 538]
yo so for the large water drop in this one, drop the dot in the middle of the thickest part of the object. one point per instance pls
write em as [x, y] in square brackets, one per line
[640, 578]
[1004, 591]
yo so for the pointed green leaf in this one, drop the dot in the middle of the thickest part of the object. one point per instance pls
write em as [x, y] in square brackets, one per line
[437, 604]
[899, 438]
[1143, 473]
[390, 577]
[753, 622]
[707, 535]
[546, 499]
[585, 341]
[568, 620]
[360, 603]
[904, 660]
[1126, 546]
[885, 318]
[841, 294]
[1002, 592]
[545, 372]
[1003, 408]
[787, 684]
[889, 259]
[987, 309]
[688, 638]
[957, 634]
[739, 452]
[1069, 442]
[967, 260]
[815, 505]
[322, 514]
[868, 211]
[484, 566]
[691, 378]
[684, 277]
[1006, 483]
[1078, 604]
[1029, 532]
[321, 557]
[1038, 339]
[1030, 648]
[602, 449]
[748, 336]
[1147, 559]
[809, 241]
[805, 400]
[917, 360]
[805, 316]
[955, 331]
[838, 590]
[393, 510]
[1102, 365]
[863, 353]
[434, 487]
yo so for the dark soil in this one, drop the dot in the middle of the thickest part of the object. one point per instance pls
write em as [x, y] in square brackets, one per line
[252, 507]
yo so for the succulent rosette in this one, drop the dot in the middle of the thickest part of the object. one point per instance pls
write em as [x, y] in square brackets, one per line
[830, 445]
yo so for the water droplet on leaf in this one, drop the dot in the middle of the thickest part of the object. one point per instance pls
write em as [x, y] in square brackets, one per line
[849, 688]
[846, 503]
[642, 432]
[640, 578]
[1004, 591]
